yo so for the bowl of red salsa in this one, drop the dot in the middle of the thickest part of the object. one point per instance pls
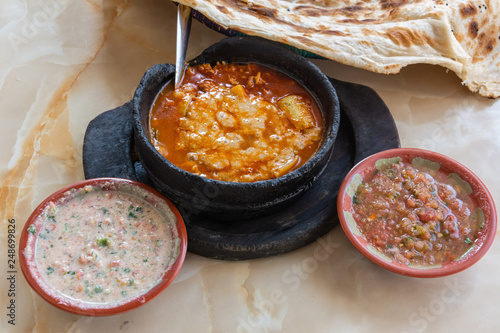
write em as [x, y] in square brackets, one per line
[416, 212]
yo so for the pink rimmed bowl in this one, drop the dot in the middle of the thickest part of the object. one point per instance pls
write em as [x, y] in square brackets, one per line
[464, 178]
[33, 228]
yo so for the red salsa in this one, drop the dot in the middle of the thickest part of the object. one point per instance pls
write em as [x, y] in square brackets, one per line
[417, 217]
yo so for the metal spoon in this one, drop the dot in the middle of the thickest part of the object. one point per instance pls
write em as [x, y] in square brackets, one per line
[184, 18]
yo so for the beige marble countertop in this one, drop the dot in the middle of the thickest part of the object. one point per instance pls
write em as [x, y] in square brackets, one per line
[64, 62]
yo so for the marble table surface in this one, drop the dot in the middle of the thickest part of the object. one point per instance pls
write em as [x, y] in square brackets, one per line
[64, 62]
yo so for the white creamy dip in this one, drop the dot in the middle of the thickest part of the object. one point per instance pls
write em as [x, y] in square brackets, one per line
[103, 247]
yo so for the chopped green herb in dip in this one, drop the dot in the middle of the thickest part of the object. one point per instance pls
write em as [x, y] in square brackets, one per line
[101, 246]
[32, 229]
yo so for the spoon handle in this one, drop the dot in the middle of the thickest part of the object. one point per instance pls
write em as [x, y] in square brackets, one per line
[184, 18]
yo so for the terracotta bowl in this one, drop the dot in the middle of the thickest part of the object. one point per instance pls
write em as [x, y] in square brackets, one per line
[231, 200]
[33, 228]
[461, 176]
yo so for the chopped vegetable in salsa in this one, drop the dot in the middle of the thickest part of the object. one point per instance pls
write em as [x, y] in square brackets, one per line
[414, 217]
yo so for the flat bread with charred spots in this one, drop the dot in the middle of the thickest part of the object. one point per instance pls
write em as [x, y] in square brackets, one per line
[382, 36]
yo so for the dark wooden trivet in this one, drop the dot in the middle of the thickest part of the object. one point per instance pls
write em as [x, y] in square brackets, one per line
[366, 127]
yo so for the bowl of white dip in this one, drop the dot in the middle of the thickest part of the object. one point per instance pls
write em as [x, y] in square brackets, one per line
[102, 246]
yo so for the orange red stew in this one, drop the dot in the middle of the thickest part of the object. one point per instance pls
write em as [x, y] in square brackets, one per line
[414, 217]
[238, 123]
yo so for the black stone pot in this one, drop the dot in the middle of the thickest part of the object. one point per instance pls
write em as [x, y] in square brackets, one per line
[231, 200]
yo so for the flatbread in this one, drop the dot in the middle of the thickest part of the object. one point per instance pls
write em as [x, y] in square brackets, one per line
[382, 36]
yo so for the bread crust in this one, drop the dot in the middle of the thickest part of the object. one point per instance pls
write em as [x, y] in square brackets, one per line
[381, 36]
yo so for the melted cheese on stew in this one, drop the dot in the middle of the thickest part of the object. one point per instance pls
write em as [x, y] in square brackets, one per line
[238, 123]
[103, 247]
